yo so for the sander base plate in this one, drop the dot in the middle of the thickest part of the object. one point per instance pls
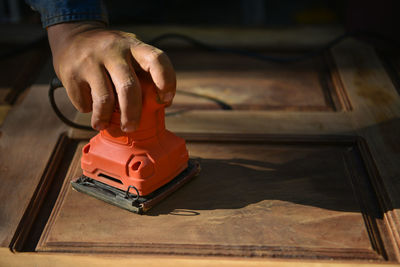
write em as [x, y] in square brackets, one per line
[129, 201]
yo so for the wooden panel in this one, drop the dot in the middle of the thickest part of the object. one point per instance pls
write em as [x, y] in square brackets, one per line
[209, 80]
[375, 116]
[288, 38]
[258, 196]
[106, 260]
[221, 121]
[27, 140]
[28, 137]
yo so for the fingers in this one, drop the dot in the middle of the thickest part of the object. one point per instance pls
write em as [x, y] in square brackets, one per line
[79, 94]
[156, 62]
[94, 61]
[102, 96]
[128, 91]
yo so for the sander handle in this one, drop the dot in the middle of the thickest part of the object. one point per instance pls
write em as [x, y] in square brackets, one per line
[151, 118]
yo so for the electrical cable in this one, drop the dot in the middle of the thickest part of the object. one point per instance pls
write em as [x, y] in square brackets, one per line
[277, 59]
[55, 84]
[222, 104]
[246, 53]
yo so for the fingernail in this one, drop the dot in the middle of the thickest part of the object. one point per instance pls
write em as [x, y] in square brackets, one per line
[168, 97]
[129, 127]
[100, 125]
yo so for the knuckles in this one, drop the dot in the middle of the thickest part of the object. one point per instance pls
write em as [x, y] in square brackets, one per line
[78, 59]
[155, 55]
[126, 86]
[104, 100]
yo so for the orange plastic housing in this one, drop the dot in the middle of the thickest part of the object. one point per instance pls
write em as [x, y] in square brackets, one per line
[146, 159]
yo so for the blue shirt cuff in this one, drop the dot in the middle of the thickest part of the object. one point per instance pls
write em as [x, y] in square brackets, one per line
[59, 11]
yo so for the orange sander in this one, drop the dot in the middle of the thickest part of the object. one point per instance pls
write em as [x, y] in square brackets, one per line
[136, 170]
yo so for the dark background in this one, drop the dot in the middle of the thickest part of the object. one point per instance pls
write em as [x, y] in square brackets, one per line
[22, 41]
[377, 16]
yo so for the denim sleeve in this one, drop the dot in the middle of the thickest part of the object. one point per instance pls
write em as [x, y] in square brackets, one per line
[58, 11]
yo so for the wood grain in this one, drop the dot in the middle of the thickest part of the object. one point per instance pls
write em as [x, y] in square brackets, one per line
[366, 84]
[375, 117]
[208, 80]
[256, 122]
[24, 155]
[8, 258]
[262, 197]
[373, 114]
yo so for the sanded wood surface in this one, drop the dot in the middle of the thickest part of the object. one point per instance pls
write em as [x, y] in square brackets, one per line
[83, 260]
[373, 114]
[251, 199]
[24, 155]
[208, 80]
[220, 121]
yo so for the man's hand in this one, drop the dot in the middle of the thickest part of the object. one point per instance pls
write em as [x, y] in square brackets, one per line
[91, 60]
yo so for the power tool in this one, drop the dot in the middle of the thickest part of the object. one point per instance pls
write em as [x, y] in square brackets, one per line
[136, 170]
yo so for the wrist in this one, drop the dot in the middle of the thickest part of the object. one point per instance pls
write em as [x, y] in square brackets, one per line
[61, 33]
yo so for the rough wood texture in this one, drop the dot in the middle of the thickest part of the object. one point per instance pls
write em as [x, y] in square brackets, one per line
[255, 197]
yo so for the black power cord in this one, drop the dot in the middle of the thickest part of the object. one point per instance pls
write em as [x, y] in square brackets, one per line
[250, 54]
[219, 102]
[276, 59]
[54, 85]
